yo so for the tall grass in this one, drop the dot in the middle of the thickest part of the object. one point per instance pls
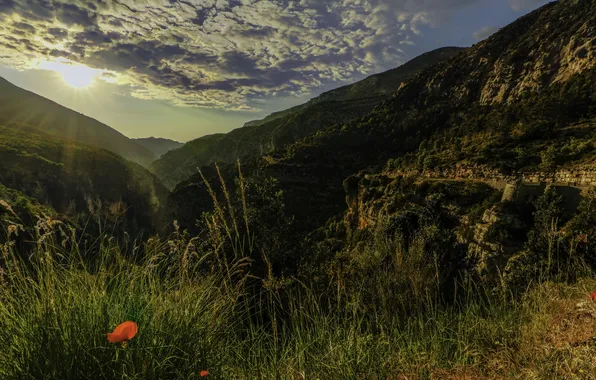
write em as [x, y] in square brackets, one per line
[196, 312]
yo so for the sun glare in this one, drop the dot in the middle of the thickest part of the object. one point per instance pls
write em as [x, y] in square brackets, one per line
[74, 74]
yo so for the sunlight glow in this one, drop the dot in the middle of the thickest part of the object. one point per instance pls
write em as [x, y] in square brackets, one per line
[74, 74]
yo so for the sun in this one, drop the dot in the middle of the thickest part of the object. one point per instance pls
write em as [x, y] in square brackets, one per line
[79, 77]
[74, 74]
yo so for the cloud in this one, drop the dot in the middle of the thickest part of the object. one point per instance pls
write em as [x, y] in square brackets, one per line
[484, 33]
[219, 53]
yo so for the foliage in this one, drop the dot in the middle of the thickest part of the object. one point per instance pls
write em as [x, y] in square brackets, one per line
[56, 309]
[23, 109]
[284, 128]
[80, 182]
[555, 244]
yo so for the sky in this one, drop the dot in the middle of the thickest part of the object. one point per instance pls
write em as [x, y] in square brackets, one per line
[181, 69]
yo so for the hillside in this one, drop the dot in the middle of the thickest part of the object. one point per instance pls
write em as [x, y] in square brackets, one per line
[444, 229]
[508, 102]
[21, 107]
[286, 127]
[76, 181]
[158, 146]
[522, 99]
[375, 86]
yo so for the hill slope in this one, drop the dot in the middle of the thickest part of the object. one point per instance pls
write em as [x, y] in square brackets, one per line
[78, 180]
[501, 103]
[158, 146]
[286, 127]
[21, 107]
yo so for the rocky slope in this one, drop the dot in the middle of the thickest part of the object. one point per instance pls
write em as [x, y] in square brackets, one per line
[503, 103]
[483, 109]
[21, 107]
[286, 127]
[375, 86]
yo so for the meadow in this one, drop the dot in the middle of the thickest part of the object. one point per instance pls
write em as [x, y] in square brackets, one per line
[200, 307]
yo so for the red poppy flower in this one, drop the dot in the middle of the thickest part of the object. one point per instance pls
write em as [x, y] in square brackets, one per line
[123, 332]
[593, 296]
[204, 373]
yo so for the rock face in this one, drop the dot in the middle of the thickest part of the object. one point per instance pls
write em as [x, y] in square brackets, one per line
[575, 177]
[545, 47]
[538, 59]
[369, 199]
[372, 199]
[489, 247]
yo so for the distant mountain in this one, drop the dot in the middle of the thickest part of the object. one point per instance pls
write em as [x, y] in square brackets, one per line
[286, 127]
[77, 181]
[524, 99]
[158, 146]
[21, 107]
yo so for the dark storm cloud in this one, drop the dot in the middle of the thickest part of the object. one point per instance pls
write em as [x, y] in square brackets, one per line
[124, 56]
[221, 53]
[62, 54]
[24, 27]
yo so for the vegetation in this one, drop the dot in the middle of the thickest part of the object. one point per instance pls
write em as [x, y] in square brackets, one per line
[286, 127]
[204, 303]
[323, 259]
[453, 112]
[79, 182]
[22, 108]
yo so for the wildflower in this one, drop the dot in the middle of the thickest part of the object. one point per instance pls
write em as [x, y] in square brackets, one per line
[204, 373]
[593, 296]
[123, 332]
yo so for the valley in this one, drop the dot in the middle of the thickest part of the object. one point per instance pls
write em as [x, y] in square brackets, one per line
[436, 220]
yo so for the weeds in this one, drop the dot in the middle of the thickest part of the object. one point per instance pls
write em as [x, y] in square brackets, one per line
[198, 309]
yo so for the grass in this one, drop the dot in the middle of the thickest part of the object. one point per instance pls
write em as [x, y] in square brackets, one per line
[54, 316]
[202, 309]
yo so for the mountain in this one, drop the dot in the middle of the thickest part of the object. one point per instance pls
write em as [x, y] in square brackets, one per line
[79, 182]
[379, 85]
[158, 146]
[286, 127]
[21, 107]
[522, 100]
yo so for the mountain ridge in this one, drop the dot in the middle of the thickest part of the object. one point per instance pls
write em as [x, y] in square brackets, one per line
[20, 106]
[287, 126]
[158, 145]
[79, 181]
[491, 104]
